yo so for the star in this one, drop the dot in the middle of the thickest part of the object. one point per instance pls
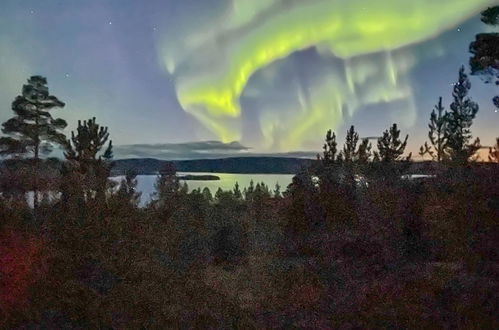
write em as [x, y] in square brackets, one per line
[459, 30]
[67, 75]
[32, 11]
[110, 23]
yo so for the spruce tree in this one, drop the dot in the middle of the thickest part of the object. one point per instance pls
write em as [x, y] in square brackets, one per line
[33, 130]
[249, 192]
[438, 139]
[353, 152]
[166, 196]
[207, 194]
[330, 149]
[237, 192]
[390, 146]
[364, 152]
[127, 191]
[277, 191]
[459, 120]
[350, 147]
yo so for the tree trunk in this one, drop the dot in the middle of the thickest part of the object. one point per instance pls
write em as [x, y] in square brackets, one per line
[35, 179]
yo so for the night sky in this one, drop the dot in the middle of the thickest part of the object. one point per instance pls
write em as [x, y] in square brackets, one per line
[271, 75]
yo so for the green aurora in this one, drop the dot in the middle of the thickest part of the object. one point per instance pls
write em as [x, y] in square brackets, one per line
[225, 52]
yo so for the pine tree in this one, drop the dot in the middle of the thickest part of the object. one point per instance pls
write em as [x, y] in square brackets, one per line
[364, 152]
[485, 51]
[83, 153]
[237, 191]
[494, 152]
[167, 186]
[353, 152]
[277, 190]
[330, 149]
[490, 16]
[390, 147]
[249, 192]
[127, 191]
[207, 194]
[33, 131]
[459, 120]
[350, 147]
[438, 139]
[85, 145]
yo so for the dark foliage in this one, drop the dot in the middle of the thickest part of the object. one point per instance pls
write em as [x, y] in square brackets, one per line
[459, 120]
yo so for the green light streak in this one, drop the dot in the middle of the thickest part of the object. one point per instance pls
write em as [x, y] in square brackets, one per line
[347, 28]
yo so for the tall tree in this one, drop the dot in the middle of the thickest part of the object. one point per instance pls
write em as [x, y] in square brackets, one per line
[83, 151]
[33, 130]
[364, 151]
[237, 192]
[277, 191]
[168, 190]
[330, 149]
[127, 191]
[438, 139]
[350, 146]
[353, 152]
[85, 145]
[485, 51]
[390, 146]
[459, 120]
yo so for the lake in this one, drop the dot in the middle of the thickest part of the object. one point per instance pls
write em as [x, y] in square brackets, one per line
[227, 181]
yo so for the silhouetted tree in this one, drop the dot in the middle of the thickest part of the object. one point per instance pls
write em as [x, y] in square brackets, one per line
[167, 189]
[364, 152]
[438, 139]
[33, 131]
[494, 152]
[490, 16]
[207, 194]
[277, 191]
[249, 191]
[83, 153]
[350, 147]
[330, 149]
[353, 151]
[127, 191]
[390, 146]
[485, 50]
[237, 191]
[459, 120]
[85, 145]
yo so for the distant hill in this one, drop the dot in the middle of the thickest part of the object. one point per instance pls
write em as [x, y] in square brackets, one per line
[250, 165]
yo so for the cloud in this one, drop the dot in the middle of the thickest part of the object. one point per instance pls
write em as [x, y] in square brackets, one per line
[187, 150]
[196, 150]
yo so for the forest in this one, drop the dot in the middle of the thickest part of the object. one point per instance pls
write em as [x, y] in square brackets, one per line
[349, 244]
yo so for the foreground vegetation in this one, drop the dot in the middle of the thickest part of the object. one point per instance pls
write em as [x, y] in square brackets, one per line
[395, 253]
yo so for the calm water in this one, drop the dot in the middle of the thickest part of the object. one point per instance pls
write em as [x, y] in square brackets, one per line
[227, 181]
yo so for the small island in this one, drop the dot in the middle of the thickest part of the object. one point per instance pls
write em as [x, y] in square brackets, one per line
[191, 177]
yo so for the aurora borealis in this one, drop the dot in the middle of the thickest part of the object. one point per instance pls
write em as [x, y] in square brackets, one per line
[271, 74]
